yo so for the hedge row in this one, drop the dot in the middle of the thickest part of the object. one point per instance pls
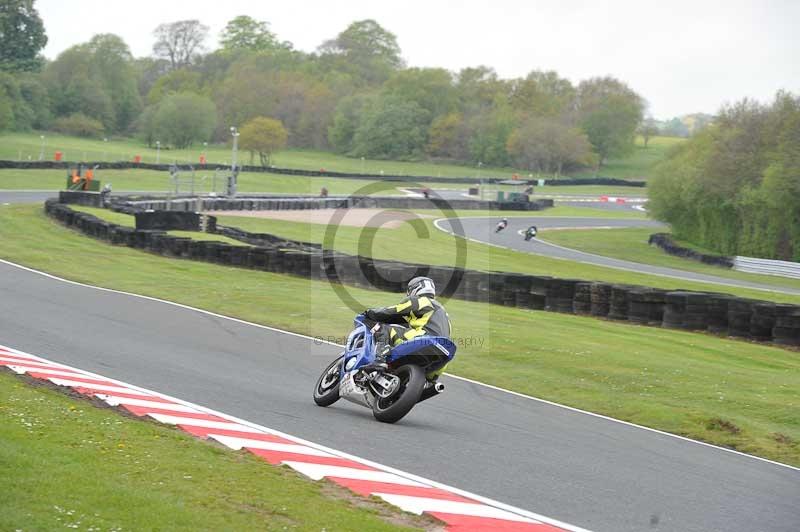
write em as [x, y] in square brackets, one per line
[124, 165]
[717, 313]
[665, 242]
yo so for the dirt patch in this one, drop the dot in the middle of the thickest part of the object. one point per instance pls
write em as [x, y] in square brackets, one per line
[386, 218]
[722, 425]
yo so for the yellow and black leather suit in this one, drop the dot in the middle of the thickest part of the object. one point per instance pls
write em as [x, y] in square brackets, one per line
[412, 317]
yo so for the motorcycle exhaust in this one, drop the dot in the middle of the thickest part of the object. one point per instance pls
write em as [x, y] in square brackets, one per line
[439, 387]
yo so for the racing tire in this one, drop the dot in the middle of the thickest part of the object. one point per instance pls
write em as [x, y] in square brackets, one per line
[326, 391]
[393, 408]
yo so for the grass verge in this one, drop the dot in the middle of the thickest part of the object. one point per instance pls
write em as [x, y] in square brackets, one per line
[675, 381]
[69, 464]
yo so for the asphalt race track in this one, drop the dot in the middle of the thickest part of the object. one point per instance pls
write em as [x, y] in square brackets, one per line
[582, 469]
[482, 229]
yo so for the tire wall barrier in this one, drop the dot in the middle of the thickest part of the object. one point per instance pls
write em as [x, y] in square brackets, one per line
[126, 165]
[272, 203]
[721, 314]
[666, 243]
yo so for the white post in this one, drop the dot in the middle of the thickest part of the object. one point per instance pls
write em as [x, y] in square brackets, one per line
[41, 151]
[158, 151]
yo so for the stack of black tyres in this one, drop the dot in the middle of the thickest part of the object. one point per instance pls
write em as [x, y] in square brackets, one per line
[582, 303]
[762, 321]
[718, 313]
[559, 295]
[740, 312]
[674, 310]
[787, 325]
[538, 292]
[696, 318]
[601, 299]
[646, 306]
[618, 302]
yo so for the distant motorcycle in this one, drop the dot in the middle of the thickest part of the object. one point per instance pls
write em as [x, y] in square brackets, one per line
[390, 393]
[502, 224]
[530, 233]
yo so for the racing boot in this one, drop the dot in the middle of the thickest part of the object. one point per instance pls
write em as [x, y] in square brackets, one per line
[382, 351]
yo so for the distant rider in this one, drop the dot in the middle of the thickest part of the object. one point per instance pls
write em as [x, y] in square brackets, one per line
[416, 315]
[501, 225]
[530, 232]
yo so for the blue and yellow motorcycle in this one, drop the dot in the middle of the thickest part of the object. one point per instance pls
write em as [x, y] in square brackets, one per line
[410, 376]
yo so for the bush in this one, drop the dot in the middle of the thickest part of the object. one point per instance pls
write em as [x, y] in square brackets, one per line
[179, 120]
[79, 125]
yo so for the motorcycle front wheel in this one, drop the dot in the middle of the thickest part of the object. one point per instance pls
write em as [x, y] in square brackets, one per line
[393, 408]
[326, 392]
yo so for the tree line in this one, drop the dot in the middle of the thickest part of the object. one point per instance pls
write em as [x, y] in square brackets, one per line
[354, 95]
[734, 187]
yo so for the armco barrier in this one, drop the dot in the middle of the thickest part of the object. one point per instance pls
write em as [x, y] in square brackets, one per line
[124, 165]
[767, 267]
[697, 311]
[743, 264]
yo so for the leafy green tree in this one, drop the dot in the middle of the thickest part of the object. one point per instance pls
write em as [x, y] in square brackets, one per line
[97, 79]
[34, 93]
[346, 120]
[180, 120]
[548, 145]
[180, 80]
[264, 136]
[148, 72]
[733, 187]
[542, 94]
[366, 49]
[22, 36]
[180, 42]
[6, 110]
[609, 112]
[431, 88]
[392, 128]
[489, 132]
[246, 33]
[112, 66]
[446, 137]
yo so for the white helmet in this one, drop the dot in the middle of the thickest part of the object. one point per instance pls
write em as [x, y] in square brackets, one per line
[421, 286]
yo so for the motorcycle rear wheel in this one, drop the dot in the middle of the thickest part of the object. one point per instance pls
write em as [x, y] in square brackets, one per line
[393, 408]
[326, 391]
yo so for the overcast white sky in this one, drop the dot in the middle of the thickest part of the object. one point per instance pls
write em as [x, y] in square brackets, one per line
[682, 56]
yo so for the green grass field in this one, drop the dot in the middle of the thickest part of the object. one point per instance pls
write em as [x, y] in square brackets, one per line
[639, 165]
[28, 146]
[675, 381]
[69, 464]
[631, 244]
